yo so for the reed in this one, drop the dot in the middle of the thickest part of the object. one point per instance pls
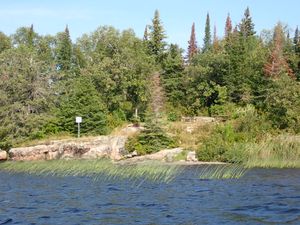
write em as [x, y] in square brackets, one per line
[106, 170]
[227, 171]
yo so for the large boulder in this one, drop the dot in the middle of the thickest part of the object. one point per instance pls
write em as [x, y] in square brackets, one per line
[112, 147]
[3, 155]
[191, 156]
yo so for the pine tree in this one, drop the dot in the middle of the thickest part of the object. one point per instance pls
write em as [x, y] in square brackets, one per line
[207, 37]
[277, 63]
[156, 37]
[31, 36]
[297, 41]
[64, 51]
[146, 35]
[215, 39]
[247, 26]
[192, 48]
[228, 26]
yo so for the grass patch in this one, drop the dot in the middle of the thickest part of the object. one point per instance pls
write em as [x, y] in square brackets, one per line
[189, 140]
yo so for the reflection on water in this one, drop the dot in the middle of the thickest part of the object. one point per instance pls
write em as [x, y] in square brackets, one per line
[260, 197]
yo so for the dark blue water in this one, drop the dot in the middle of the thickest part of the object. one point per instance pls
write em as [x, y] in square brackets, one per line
[260, 197]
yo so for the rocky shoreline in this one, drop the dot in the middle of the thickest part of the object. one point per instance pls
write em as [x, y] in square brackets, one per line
[110, 147]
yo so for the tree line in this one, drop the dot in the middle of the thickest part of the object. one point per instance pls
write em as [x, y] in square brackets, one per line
[45, 81]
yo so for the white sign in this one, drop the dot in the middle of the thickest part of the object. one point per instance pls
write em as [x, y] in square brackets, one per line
[78, 119]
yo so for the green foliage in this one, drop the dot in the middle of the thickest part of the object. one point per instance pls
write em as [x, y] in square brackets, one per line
[282, 104]
[120, 68]
[25, 94]
[228, 141]
[5, 42]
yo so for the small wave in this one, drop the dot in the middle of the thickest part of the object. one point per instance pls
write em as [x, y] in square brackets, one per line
[6, 221]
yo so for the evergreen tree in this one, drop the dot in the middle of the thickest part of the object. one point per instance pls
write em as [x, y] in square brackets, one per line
[156, 37]
[31, 36]
[64, 51]
[246, 26]
[228, 26]
[215, 39]
[146, 35]
[172, 77]
[80, 98]
[192, 47]
[207, 37]
[297, 41]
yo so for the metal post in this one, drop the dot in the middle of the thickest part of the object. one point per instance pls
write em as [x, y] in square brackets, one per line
[78, 132]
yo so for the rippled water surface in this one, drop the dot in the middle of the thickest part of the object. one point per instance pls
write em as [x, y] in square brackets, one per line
[262, 196]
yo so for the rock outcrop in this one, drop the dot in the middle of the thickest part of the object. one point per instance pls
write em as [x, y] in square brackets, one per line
[112, 147]
[3, 155]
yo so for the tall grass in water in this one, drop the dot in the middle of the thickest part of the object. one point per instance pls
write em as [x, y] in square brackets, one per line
[98, 169]
[227, 171]
[279, 152]
[106, 170]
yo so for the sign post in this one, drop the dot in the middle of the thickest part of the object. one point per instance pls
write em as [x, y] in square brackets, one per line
[78, 120]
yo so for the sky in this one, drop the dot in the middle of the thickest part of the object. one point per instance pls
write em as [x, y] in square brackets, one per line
[177, 16]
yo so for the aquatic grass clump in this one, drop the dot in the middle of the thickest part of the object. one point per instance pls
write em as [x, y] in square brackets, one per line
[97, 169]
[222, 172]
[275, 152]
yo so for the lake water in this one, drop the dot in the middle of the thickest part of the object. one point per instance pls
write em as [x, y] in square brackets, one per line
[262, 196]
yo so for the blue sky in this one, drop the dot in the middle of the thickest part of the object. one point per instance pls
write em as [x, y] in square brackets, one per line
[84, 16]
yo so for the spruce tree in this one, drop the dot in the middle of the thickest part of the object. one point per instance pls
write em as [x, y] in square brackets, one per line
[64, 51]
[192, 47]
[146, 35]
[207, 37]
[246, 26]
[215, 39]
[156, 37]
[31, 36]
[297, 41]
[228, 26]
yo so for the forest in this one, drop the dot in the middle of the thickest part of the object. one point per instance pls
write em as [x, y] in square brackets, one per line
[250, 79]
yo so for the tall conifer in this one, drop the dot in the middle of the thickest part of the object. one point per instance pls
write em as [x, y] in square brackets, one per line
[247, 26]
[192, 47]
[207, 37]
[64, 50]
[228, 26]
[156, 37]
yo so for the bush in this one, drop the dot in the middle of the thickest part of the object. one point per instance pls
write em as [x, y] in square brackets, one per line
[229, 142]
